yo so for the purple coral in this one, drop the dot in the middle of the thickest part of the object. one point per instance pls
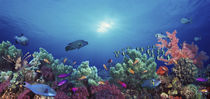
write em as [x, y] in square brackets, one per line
[47, 73]
[61, 95]
[24, 95]
[81, 93]
[106, 91]
[4, 85]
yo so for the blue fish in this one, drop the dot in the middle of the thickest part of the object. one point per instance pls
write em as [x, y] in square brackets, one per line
[41, 89]
[151, 83]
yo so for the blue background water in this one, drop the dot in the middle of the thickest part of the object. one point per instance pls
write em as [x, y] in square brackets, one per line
[52, 24]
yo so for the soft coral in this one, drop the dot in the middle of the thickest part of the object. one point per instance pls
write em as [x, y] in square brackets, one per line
[187, 51]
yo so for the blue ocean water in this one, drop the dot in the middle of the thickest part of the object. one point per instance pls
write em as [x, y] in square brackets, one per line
[52, 24]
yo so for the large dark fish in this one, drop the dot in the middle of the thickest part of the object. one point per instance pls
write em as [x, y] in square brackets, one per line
[21, 39]
[76, 45]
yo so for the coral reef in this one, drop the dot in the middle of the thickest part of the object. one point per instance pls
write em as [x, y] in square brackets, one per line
[9, 54]
[81, 93]
[131, 73]
[106, 91]
[185, 70]
[190, 92]
[143, 63]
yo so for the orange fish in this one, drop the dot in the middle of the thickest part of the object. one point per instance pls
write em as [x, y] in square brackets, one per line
[131, 71]
[144, 71]
[101, 83]
[46, 61]
[135, 62]
[162, 70]
[64, 61]
[74, 63]
[105, 66]
[83, 77]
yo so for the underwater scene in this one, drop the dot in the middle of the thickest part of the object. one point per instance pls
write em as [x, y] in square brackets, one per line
[104, 49]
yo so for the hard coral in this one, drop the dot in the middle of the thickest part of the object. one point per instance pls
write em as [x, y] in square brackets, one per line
[187, 51]
[185, 70]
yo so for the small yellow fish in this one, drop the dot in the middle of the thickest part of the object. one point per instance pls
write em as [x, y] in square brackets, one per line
[131, 71]
[64, 61]
[204, 90]
[101, 83]
[38, 71]
[33, 55]
[83, 77]
[105, 66]
[74, 63]
[46, 61]
[175, 61]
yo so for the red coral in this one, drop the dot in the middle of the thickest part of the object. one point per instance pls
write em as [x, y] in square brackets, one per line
[4, 85]
[106, 91]
[187, 51]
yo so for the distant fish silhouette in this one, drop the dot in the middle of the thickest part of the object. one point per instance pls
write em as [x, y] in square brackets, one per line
[76, 45]
[21, 39]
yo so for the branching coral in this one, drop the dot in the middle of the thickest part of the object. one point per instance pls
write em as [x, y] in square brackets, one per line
[121, 70]
[187, 51]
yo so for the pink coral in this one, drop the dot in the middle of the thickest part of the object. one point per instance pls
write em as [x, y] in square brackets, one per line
[24, 95]
[187, 51]
[106, 91]
[81, 93]
[61, 95]
[4, 85]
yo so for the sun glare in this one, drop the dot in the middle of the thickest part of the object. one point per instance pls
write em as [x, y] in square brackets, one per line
[104, 27]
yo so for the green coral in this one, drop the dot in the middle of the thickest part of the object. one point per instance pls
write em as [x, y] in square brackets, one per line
[85, 70]
[54, 63]
[6, 48]
[121, 70]
[5, 75]
[8, 52]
